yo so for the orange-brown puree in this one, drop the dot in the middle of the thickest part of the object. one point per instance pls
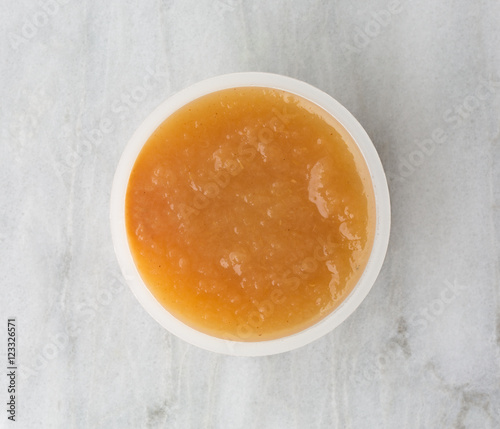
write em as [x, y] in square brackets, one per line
[250, 214]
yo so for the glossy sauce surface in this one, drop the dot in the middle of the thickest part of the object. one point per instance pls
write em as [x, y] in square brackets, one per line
[250, 214]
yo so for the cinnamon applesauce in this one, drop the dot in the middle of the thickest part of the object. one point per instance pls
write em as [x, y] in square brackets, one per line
[250, 214]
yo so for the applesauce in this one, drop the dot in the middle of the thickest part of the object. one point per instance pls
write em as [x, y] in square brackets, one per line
[250, 214]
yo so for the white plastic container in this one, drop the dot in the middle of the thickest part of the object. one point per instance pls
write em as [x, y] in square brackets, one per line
[123, 253]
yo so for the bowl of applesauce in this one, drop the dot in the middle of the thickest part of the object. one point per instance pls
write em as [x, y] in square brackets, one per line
[250, 214]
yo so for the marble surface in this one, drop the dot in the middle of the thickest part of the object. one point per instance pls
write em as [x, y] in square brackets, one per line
[423, 78]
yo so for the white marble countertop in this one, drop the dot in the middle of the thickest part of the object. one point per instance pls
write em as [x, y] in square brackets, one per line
[423, 78]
